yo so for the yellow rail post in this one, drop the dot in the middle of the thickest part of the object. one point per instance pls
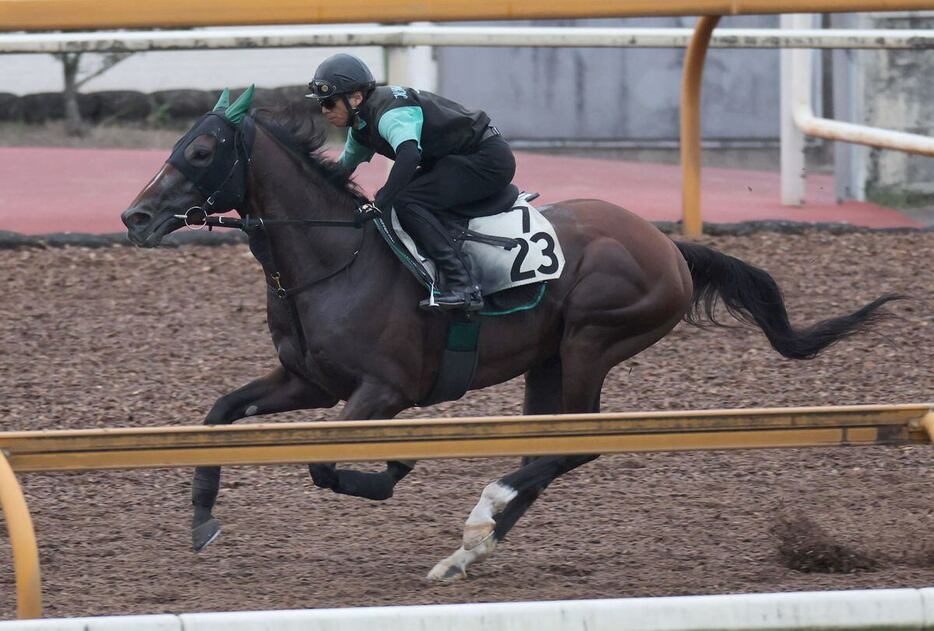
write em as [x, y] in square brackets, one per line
[928, 424]
[691, 126]
[23, 542]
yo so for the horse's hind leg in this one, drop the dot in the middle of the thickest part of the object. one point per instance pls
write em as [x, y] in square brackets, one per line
[279, 391]
[543, 395]
[370, 401]
[504, 501]
[532, 483]
[586, 358]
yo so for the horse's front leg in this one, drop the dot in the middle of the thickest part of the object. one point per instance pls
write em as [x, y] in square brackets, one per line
[372, 400]
[279, 391]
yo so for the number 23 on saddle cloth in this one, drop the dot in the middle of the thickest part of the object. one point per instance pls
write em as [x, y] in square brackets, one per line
[516, 248]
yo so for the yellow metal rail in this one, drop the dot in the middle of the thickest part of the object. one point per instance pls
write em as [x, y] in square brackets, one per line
[43, 15]
[266, 443]
[23, 542]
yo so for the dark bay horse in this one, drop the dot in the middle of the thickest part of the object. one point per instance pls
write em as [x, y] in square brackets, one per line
[355, 333]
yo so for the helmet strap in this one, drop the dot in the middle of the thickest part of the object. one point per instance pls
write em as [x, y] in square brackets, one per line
[353, 112]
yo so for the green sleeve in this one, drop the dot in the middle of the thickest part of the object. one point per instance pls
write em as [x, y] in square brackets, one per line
[401, 124]
[354, 153]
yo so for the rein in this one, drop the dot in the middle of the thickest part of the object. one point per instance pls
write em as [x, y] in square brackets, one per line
[259, 244]
[247, 223]
[282, 293]
[250, 226]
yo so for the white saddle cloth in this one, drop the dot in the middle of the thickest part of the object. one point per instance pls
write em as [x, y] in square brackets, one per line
[535, 255]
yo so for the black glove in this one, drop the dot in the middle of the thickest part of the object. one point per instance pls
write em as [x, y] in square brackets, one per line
[380, 198]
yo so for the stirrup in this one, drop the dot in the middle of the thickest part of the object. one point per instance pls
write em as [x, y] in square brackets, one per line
[450, 301]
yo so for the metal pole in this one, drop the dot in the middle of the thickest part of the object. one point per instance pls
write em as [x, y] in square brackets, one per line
[440, 35]
[51, 15]
[795, 85]
[691, 126]
[928, 424]
[23, 542]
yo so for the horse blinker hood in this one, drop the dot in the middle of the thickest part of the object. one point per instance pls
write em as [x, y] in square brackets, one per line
[223, 181]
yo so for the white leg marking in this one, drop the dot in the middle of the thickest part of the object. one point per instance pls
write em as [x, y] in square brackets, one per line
[480, 523]
[454, 568]
[250, 411]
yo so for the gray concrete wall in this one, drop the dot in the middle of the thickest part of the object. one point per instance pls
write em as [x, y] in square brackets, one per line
[899, 95]
[623, 95]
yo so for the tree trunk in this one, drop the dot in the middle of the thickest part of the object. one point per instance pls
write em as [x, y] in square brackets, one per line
[74, 126]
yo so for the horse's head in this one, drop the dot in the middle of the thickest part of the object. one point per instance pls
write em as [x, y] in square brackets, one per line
[206, 173]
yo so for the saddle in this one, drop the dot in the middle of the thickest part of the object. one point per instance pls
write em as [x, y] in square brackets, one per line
[492, 205]
[507, 242]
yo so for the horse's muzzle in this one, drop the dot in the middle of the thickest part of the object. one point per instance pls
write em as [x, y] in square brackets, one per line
[136, 222]
[145, 229]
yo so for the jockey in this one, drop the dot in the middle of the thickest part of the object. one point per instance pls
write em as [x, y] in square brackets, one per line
[444, 156]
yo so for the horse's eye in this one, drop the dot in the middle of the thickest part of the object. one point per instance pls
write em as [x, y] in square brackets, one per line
[200, 154]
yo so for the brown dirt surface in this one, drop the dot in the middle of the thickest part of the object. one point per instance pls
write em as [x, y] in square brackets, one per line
[124, 337]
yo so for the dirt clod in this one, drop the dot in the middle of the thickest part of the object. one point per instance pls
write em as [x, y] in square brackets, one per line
[806, 547]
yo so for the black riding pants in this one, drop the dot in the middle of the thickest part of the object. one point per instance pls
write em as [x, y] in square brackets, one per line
[457, 180]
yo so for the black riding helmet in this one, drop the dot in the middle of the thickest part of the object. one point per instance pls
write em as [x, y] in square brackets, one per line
[340, 74]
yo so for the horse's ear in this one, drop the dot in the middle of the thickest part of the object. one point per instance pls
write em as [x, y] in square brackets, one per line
[223, 102]
[241, 106]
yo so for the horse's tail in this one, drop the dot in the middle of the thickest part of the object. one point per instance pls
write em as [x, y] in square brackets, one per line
[752, 296]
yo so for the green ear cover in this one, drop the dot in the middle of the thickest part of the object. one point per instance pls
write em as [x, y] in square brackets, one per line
[224, 101]
[241, 106]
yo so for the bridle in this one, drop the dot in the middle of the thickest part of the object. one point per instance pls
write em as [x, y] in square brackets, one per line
[197, 217]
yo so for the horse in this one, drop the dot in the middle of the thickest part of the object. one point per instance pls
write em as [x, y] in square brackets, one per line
[351, 329]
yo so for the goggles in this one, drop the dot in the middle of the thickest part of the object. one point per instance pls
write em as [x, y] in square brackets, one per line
[322, 89]
[328, 102]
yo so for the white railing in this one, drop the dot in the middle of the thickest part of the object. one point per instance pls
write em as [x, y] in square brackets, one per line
[799, 120]
[368, 35]
[906, 609]
[797, 116]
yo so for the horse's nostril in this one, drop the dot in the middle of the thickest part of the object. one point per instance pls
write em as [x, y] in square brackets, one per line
[136, 218]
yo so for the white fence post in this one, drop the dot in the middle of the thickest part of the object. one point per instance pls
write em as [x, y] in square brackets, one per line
[794, 87]
[397, 65]
[423, 69]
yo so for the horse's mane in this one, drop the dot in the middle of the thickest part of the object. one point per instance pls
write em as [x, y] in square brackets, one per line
[294, 127]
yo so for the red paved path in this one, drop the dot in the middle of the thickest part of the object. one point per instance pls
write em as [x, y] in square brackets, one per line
[84, 190]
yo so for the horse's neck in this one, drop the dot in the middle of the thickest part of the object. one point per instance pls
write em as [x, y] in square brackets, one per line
[281, 187]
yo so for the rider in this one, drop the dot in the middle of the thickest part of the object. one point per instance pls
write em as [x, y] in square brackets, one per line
[444, 156]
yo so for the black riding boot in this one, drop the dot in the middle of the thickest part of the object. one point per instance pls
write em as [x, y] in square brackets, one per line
[460, 290]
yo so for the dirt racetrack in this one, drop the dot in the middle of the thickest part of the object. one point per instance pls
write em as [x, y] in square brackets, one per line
[119, 336]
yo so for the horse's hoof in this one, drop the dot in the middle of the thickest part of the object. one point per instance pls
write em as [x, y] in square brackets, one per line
[204, 534]
[323, 474]
[475, 534]
[446, 572]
